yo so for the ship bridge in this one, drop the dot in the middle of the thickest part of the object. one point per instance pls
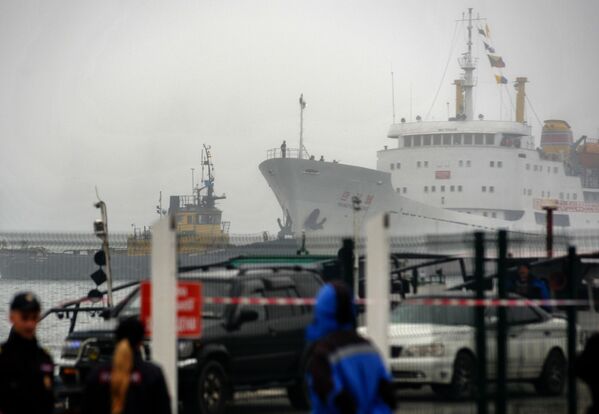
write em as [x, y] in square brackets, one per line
[502, 133]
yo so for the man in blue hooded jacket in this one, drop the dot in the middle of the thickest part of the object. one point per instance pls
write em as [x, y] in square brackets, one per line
[346, 373]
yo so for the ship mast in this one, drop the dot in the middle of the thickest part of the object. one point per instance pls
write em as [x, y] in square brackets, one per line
[468, 65]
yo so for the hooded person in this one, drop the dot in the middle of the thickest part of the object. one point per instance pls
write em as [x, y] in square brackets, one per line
[346, 373]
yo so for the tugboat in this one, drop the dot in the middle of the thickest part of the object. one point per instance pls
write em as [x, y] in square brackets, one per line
[199, 221]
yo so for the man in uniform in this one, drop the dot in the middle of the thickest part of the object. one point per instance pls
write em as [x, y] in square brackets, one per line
[26, 370]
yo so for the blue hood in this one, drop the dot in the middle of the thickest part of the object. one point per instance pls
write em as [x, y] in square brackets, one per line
[326, 313]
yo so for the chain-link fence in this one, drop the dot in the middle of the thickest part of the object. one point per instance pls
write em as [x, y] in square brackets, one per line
[259, 294]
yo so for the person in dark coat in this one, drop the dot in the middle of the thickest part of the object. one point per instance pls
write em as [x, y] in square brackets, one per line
[346, 373]
[26, 370]
[529, 286]
[587, 370]
[127, 384]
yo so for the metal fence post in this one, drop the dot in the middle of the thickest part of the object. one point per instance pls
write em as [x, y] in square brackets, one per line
[377, 282]
[481, 339]
[346, 263]
[571, 314]
[501, 397]
[164, 301]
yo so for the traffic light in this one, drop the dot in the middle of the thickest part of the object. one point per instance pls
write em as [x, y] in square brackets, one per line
[99, 276]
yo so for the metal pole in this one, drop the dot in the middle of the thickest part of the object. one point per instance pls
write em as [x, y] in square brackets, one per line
[301, 148]
[549, 231]
[571, 314]
[481, 343]
[377, 282]
[501, 398]
[164, 301]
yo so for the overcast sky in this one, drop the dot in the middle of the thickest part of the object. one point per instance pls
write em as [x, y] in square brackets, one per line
[122, 95]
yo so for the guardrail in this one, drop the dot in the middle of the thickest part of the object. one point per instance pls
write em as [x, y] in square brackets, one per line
[286, 153]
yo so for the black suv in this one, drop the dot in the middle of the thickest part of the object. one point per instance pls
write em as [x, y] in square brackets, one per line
[243, 347]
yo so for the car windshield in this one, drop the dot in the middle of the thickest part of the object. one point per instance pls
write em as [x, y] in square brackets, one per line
[436, 315]
[210, 288]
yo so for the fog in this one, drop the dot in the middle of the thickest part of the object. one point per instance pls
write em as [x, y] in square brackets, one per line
[122, 95]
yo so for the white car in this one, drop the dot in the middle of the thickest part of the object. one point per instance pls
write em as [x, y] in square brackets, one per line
[435, 345]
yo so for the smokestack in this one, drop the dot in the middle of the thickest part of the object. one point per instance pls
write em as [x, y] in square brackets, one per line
[459, 98]
[520, 96]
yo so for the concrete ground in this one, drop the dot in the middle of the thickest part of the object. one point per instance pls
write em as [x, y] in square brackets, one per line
[522, 399]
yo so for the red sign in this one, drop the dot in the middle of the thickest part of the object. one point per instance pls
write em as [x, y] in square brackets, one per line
[189, 308]
[442, 175]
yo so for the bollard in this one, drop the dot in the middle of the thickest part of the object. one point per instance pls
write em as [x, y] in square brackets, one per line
[502, 356]
[571, 314]
[481, 339]
[346, 264]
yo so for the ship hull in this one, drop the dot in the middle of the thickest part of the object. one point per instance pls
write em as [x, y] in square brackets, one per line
[317, 197]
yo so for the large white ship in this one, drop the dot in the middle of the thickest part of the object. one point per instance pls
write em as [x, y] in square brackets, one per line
[449, 176]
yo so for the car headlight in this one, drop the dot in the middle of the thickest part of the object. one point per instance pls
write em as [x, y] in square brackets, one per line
[185, 349]
[70, 348]
[428, 350]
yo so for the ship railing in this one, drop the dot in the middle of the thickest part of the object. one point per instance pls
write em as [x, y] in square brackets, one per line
[287, 153]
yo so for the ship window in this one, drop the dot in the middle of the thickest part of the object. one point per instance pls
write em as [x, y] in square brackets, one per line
[433, 188]
[542, 193]
[447, 139]
[467, 139]
[459, 188]
[535, 168]
[426, 188]
[567, 196]
[442, 188]
[555, 170]
[457, 139]
[529, 192]
[417, 140]
[452, 188]
[418, 164]
[397, 190]
[494, 215]
[485, 213]
[484, 188]
[548, 193]
[426, 163]
[491, 189]
[499, 164]
[561, 196]
[189, 219]
[468, 163]
[392, 166]
[461, 163]
[574, 196]
[478, 139]
[524, 191]
[442, 200]
[489, 139]
[528, 166]
[426, 140]
[398, 165]
[437, 139]
[405, 190]
[407, 141]
[492, 163]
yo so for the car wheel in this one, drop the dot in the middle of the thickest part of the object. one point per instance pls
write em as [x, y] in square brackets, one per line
[463, 381]
[213, 388]
[298, 393]
[553, 376]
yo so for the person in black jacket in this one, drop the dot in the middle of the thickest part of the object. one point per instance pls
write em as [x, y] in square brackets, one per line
[26, 370]
[586, 369]
[128, 384]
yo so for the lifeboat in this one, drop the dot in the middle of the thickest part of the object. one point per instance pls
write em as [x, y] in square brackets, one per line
[556, 137]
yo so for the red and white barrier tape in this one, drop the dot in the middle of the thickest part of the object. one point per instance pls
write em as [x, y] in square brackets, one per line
[463, 302]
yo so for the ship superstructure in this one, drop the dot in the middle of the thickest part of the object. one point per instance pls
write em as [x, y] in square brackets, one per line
[198, 219]
[448, 176]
